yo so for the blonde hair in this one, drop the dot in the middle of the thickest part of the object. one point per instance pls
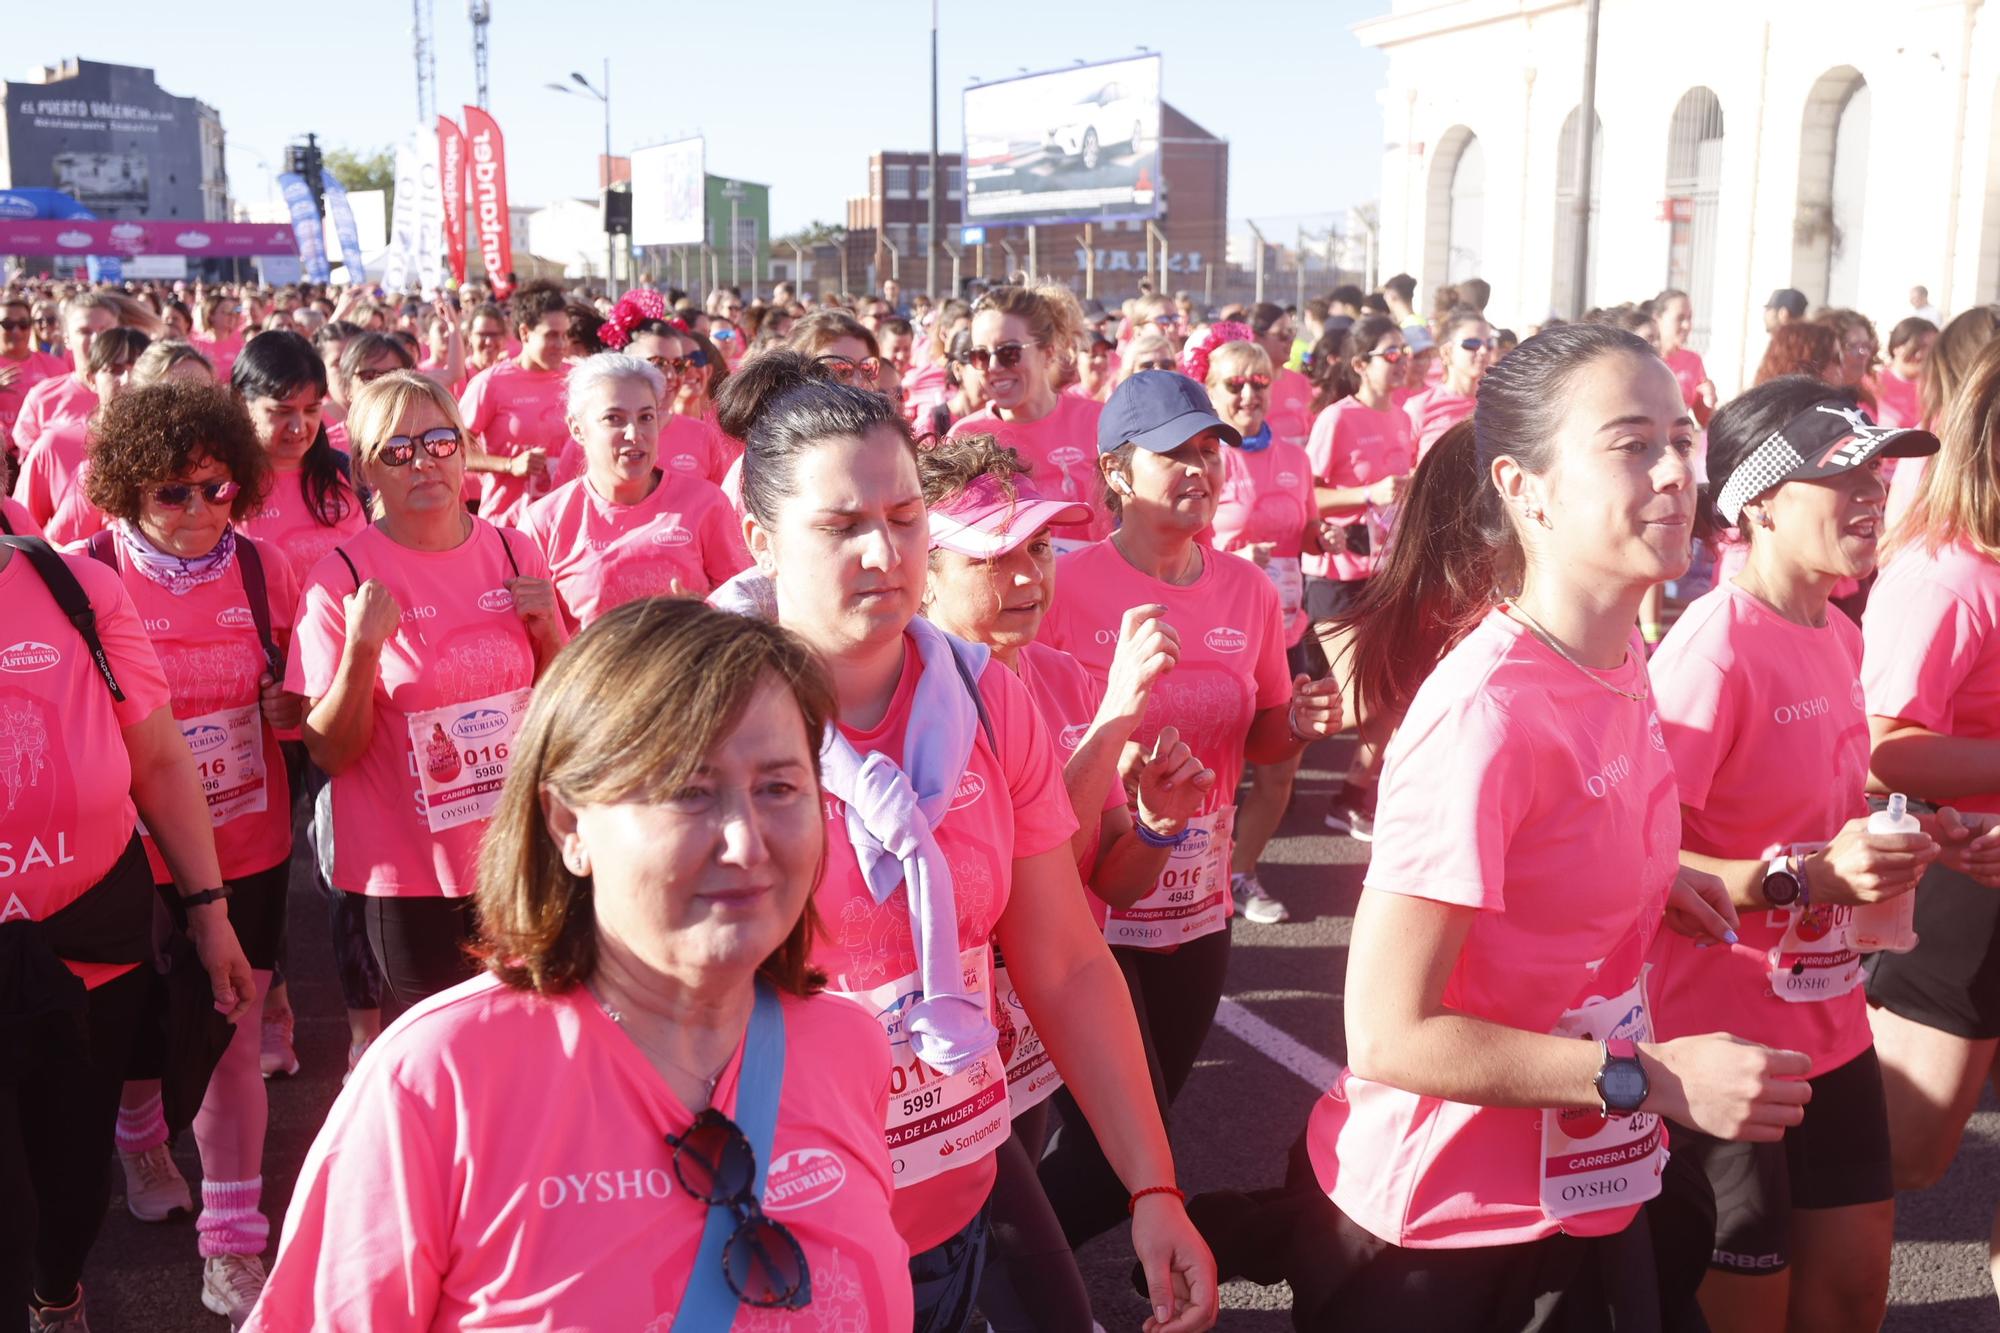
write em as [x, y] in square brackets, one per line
[380, 404]
[1148, 346]
[631, 707]
[1959, 497]
[1051, 311]
[157, 362]
[1237, 358]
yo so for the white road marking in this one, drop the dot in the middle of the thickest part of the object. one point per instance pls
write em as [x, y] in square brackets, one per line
[1276, 1046]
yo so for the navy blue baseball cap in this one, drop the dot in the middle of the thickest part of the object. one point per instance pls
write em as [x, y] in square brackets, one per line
[1159, 410]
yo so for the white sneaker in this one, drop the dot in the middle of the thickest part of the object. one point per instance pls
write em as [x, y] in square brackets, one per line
[53, 1319]
[231, 1284]
[155, 1190]
[1255, 903]
[275, 1056]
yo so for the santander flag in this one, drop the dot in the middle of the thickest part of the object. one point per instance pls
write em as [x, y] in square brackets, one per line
[452, 180]
[487, 159]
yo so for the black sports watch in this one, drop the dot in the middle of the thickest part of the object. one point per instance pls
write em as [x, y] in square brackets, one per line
[1784, 882]
[1621, 1080]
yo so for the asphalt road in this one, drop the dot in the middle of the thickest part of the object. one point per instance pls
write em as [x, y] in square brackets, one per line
[1232, 1126]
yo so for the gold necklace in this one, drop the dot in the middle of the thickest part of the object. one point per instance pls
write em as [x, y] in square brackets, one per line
[708, 1081]
[1534, 627]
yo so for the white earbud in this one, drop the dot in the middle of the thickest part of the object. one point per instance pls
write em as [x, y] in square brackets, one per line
[1119, 484]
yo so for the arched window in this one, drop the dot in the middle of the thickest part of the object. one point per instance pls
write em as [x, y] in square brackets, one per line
[1455, 209]
[1833, 169]
[1694, 187]
[1563, 297]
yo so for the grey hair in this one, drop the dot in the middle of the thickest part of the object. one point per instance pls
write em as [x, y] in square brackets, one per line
[609, 368]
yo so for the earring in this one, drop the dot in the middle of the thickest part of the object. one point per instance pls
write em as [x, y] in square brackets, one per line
[1538, 516]
[1764, 518]
[576, 860]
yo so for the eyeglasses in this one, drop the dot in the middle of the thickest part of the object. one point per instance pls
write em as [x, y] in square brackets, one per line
[48, 321]
[177, 494]
[864, 371]
[1235, 383]
[1478, 344]
[1157, 363]
[1167, 321]
[1392, 355]
[438, 442]
[677, 367]
[16, 325]
[1007, 355]
[762, 1261]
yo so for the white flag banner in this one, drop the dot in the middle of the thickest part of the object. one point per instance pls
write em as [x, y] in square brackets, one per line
[400, 262]
[430, 212]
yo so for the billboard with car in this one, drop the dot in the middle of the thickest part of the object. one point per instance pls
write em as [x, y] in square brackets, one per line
[1069, 145]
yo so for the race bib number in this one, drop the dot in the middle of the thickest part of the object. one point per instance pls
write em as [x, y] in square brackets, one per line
[1590, 1161]
[938, 1121]
[228, 749]
[1816, 960]
[1288, 577]
[461, 754]
[1031, 1076]
[1191, 898]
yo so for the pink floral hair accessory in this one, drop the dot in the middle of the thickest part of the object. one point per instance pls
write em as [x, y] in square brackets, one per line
[1194, 357]
[634, 308]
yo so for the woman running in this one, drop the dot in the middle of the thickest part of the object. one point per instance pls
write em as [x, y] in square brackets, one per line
[1467, 342]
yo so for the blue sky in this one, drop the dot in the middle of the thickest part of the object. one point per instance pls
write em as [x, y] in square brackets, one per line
[792, 93]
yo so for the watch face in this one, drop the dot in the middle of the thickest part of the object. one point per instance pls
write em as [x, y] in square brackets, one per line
[1624, 1085]
[1781, 889]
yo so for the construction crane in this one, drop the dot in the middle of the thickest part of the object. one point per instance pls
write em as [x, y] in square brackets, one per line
[481, 14]
[423, 28]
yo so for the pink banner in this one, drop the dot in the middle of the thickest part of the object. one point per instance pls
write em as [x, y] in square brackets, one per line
[193, 239]
[488, 167]
[452, 177]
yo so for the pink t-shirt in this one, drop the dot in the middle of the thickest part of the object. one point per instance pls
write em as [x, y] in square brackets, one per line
[1769, 743]
[285, 523]
[1290, 414]
[603, 555]
[1062, 450]
[512, 409]
[1896, 401]
[1353, 445]
[57, 399]
[1232, 662]
[460, 642]
[1689, 372]
[1932, 654]
[336, 435]
[1267, 496]
[20, 523]
[207, 644]
[534, 1188]
[1435, 411]
[924, 388]
[51, 484]
[1068, 699]
[66, 812]
[1010, 806]
[1520, 788]
[34, 368]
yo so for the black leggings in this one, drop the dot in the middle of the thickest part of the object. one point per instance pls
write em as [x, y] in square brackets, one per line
[56, 1123]
[1031, 1283]
[420, 943]
[1174, 995]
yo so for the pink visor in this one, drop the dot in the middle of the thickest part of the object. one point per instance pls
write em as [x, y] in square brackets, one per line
[983, 521]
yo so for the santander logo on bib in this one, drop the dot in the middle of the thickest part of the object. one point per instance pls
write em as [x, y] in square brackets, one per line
[970, 788]
[801, 1178]
[235, 617]
[496, 599]
[28, 655]
[1225, 640]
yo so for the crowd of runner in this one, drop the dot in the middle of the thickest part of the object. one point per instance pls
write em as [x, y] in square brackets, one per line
[792, 766]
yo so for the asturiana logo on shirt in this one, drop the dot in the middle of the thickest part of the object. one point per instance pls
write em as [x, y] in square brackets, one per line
[684, 463]
[479, 723]
[1226, 640]
[672, 535]
[28, 655]
[1065, 456]
[1072, 736]
[801, 1178]
[1287, 480]
[235, 617]
[496, 599]
[970, 788]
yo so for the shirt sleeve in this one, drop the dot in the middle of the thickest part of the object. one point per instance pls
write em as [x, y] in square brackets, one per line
[1920, 645]
[32, 488]
[319, 634]
[281, 590]
[125, 641]
[723, 554]
[367, 1238]
[1319, 444]
[473, 407]
[1698, 714]
[1043, 818]
[1455, 789]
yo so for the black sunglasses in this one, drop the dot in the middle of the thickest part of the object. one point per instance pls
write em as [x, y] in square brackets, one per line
[762, 1261]
[438, 442]
[16, 325]
[176, 494]
[1477, 344]
[1006, 355]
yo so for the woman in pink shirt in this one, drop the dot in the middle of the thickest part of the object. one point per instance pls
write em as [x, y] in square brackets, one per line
[1266, 514]
[311, 506]
[88, 746]
[1481, 1163]
[515, 410]
[219, 330]
[418, 645]
[1231, 697]
[1759, 696]
[1361, 453]
[1290, 414]
[689, 445]
[1467, 343]
[628, 528]
[971, 799]
[68, 397]
[52, 471]
[171, 465]
[1016, 335]
[1931, 674]
[992, 577]
[1896, 391]
[927, 386]
[1673, 311]
[647, 1113]
[21, 366]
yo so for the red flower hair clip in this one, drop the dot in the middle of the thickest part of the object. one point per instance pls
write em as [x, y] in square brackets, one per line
[1194, 357]
[634, 308]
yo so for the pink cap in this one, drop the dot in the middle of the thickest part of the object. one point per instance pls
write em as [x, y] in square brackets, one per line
[983, 521]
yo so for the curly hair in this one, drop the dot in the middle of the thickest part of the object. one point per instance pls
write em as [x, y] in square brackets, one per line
[948, 467]
[1799, 349]
[150, 435]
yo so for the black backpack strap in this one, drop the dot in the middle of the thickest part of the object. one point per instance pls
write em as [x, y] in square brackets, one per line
[250, 564]
[978, 702]
[508, 547]
[345, 560]
[102, 547]
[73, 601]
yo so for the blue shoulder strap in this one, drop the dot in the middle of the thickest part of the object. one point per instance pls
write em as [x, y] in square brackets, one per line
[708, 1305]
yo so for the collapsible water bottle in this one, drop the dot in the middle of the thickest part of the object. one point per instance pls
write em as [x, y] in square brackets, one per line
[1889, 927]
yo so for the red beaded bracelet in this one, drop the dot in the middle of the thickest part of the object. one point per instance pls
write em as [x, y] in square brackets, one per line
[1132, 1205]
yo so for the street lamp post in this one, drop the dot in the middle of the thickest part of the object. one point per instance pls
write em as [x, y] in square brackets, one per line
[603, 96]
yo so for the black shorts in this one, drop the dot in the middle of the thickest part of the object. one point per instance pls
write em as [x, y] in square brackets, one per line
[256, 906]
[1327, 599]
[1306, 657]
[1951, 980]
[1838, 1156]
